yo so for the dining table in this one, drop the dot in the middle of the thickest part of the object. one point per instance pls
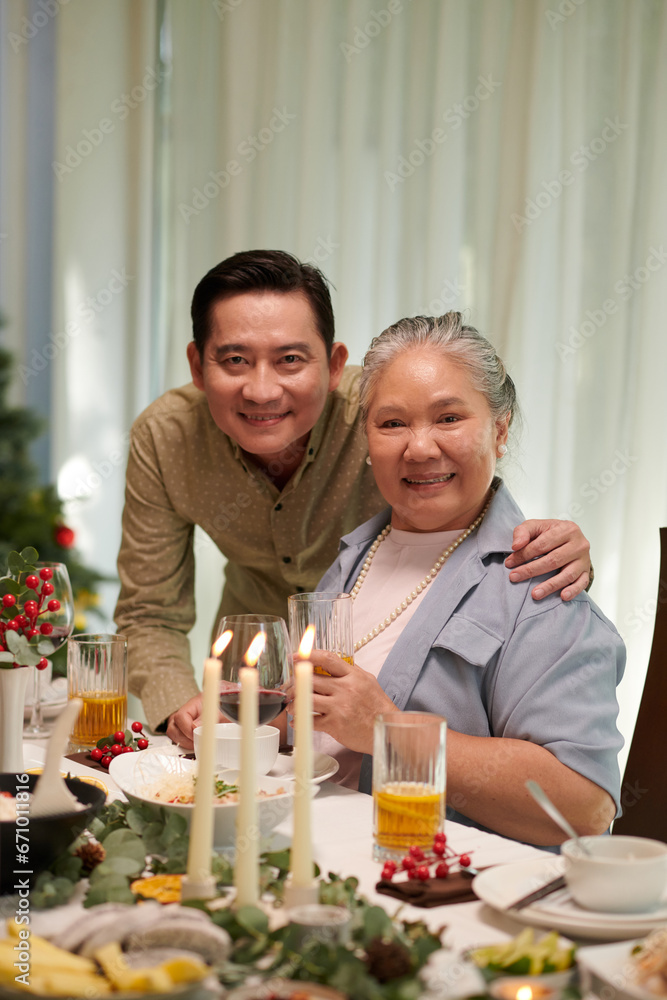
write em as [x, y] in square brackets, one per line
[342, 824]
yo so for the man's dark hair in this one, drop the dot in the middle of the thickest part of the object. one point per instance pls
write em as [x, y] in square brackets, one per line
[261, 271]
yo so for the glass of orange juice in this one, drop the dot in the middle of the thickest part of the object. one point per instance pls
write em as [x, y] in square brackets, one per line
[331, 614]
[409, 782]
[97, 673]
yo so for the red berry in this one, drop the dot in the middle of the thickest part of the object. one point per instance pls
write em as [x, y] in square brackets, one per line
[106, 760]
[47, 589]
[127, 750]
[408, 863]
[390, 865]
[21, 620]
[12, 626]
[43, 663]
[8, 601]
[96, 753]
[416, 852]
[440, 838]
[45, 573]
[46, 628]
[442, 870]
[423, 873]
[31, 608]
[53, 605]
[119, 737]
[413, 875]
[136, 727]
[143, 744]
[32, 582]
[116, 749]
[32, 632]
[387, 874]
[464, 861]
[439, 848]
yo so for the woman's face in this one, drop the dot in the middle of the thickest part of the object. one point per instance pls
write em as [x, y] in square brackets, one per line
[433, 442]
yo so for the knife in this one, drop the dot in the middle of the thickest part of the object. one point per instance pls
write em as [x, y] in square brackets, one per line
[545, 890]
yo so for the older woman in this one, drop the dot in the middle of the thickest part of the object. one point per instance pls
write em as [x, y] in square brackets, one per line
[528, 688]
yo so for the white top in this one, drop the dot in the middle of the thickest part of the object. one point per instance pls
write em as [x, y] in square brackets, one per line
[400, 563]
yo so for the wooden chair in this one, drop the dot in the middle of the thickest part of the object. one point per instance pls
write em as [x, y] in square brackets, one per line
[644, 786]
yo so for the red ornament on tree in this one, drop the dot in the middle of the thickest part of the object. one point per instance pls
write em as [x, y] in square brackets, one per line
[64, 536]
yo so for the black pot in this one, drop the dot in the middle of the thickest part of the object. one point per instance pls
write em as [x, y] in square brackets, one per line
[47, 837]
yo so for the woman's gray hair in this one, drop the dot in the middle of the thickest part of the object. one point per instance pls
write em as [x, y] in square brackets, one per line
[463, 344]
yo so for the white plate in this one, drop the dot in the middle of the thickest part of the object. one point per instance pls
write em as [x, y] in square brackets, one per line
[324, 767]
[134, 773]
[606, 970]
[503, 885]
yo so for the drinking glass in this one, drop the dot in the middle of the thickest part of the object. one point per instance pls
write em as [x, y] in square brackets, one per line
[409, 782]
[331, 614]
[274, 664]
[97, 673]
[61, 622]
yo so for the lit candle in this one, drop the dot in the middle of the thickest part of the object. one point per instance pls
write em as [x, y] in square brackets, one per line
[519, 989]
[199, 883]
[246, 870]
[302, 848]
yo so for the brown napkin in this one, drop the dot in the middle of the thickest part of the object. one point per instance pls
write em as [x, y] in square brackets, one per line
[83, 757]
[456, 888]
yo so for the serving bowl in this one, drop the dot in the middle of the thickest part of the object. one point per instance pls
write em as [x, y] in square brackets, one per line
[619, 875]
[46, 837]
[228, 746]
[138, 774]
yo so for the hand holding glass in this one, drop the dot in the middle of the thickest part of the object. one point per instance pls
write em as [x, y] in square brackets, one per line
[274, 664]
[331, 614]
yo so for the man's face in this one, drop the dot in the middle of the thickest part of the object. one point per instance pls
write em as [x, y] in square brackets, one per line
[265, 373]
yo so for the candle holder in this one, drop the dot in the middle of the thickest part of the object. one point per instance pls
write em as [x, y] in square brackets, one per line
[299, 895]
[204, 888]
[522, 989]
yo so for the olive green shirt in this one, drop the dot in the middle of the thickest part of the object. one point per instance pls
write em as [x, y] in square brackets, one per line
[183, 471]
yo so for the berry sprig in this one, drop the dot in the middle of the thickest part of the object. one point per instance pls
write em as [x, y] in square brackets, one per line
[120, 742]
[417, 862]
[22, 638]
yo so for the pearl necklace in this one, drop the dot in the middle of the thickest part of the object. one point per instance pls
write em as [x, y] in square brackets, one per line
[435, 569]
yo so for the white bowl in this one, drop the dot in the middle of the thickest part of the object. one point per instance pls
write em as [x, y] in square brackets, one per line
[136, 773]
[621, 875]
[228, 746]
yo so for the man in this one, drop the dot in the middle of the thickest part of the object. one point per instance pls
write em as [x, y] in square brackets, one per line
[265, 451]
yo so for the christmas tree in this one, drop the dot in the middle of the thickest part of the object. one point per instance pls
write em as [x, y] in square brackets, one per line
[31, 514]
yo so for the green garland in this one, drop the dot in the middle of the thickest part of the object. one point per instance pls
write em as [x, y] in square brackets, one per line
[382, 960]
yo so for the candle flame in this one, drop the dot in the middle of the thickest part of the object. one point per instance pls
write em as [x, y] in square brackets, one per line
[307, 641]
[221, 643]
[255, 650]
[524, 993]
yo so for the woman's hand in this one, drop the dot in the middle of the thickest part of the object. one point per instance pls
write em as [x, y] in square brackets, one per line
[544, 546]
[347, 702]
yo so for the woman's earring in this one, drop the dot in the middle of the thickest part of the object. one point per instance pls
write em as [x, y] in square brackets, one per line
[368, 460]
[502, 449]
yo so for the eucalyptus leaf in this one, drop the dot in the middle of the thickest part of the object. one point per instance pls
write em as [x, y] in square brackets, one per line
[29, 554]
[376, 924]
[6, 657]
[252, 919]
[9, 586]
[120, 865]
[45, 647]
[15, 563]
[13, 640]
[103, 893]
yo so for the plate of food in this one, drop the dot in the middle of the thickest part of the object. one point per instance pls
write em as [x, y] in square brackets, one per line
[165, 781]
[503, 885]
[627, 970]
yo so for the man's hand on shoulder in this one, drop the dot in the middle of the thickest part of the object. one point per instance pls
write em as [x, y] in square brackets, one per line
[544, 546]
[182, 722]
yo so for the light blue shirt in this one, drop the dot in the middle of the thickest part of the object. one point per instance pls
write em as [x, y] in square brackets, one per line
[494, 662]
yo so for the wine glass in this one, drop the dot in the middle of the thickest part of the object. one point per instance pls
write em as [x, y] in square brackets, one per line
[53, 586]
[274, 664]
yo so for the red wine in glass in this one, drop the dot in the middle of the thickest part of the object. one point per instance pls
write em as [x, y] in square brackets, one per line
[271, 704]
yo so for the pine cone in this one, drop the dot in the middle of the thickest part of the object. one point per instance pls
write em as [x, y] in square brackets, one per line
[387, 960]
[92, 854]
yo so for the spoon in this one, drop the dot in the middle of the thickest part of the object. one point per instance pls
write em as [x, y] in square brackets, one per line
[51, 795]
[555, 814]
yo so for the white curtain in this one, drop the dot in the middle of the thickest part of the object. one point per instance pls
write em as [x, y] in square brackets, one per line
[504, 157]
